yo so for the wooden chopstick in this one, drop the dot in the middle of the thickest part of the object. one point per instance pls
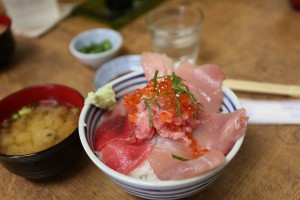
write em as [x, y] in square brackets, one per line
[260, 87]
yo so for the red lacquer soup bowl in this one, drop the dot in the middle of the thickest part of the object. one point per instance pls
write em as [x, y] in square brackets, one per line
[53, 159]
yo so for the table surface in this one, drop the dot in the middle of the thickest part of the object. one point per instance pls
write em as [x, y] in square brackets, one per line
[251, 40]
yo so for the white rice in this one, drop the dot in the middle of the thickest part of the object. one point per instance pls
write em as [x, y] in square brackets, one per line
[144, 172]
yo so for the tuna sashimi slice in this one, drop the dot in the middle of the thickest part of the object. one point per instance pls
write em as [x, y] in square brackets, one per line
[119, 148]
[114, 129]
[205, 82]
[167, 168]
[153, 61]
[220, 131]
[217, 132]
[124, 157]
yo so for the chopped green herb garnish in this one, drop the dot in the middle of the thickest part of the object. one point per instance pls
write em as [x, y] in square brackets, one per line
[178, 85]
[130, 137]
[169, 94]
[178, 106]
[179, 158]
[74, 111]
[97, 48]
[178, 89]
[155, 80]
[14, 117]
[147, 102]
[150, 114]
[24, 111]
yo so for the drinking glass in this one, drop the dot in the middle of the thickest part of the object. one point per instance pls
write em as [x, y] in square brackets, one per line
[176, 32]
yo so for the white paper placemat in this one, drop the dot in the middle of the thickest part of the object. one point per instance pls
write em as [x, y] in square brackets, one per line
[272, 111]
[32, 18]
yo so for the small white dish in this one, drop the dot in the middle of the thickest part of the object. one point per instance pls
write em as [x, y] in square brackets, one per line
[117, 67]
[95, 36]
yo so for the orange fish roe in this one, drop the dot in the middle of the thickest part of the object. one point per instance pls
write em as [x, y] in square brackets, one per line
[165, 117]
[195, 150]
[162, 93]
[169, 100]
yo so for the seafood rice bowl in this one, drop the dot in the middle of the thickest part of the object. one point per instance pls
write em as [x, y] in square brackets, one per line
[170, 133]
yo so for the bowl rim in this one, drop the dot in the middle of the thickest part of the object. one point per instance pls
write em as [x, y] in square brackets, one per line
[74, 132]
[96, 55]
[149, 183]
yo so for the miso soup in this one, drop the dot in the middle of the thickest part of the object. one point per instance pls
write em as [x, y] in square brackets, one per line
[37, 127]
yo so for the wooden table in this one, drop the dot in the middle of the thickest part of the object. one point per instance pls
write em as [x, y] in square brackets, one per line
[251, 40]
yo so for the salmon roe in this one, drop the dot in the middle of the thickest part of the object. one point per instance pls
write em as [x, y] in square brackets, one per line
[195, 150]
[162, 93]
[174, 101]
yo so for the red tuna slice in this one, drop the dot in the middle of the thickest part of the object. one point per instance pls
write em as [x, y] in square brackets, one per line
[114, 129]
[119, 148]
[124, 157]
[153, 61]
[220, 131]
[205, 82]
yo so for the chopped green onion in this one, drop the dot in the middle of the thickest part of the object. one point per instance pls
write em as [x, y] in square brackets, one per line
[14, 117]
[24, 111]
[97, 48]
[74, 111]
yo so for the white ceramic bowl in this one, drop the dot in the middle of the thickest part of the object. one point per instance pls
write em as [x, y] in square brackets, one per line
[89, 37]
[89, 121]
